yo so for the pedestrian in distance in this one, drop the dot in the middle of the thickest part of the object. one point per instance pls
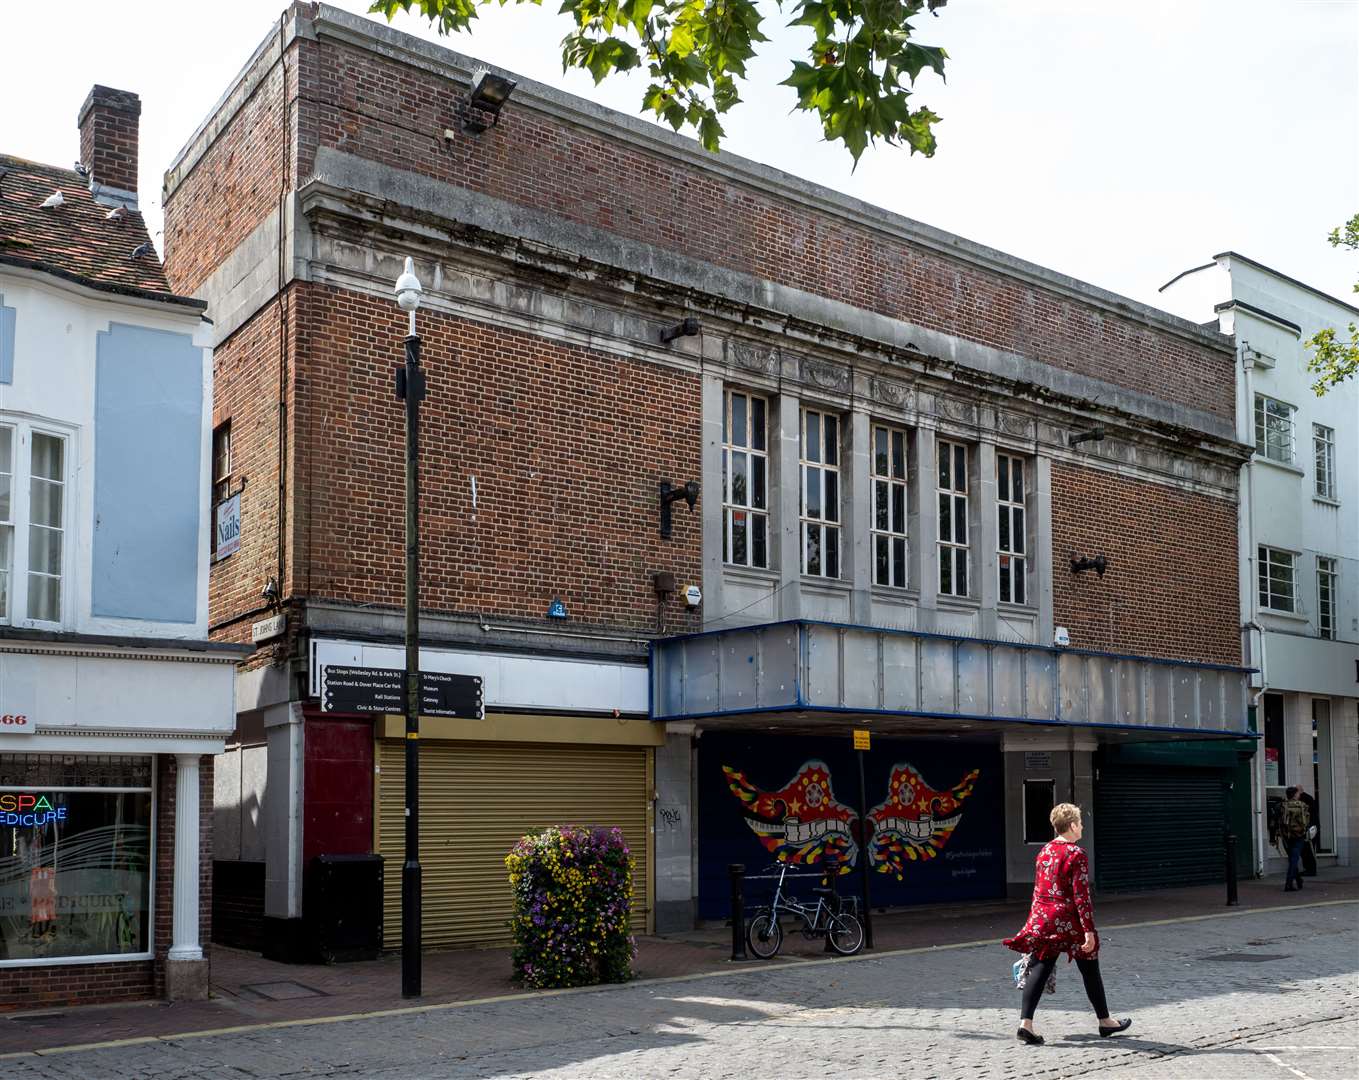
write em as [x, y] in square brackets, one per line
[1061, 920]
[1309, 846]
[1296, 820]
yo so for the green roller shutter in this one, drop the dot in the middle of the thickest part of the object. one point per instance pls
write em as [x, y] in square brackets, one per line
[1157, 827]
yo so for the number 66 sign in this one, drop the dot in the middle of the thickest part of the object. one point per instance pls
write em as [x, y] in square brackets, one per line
[16, 724]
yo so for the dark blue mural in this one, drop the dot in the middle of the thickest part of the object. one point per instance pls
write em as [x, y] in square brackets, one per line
[935, 815]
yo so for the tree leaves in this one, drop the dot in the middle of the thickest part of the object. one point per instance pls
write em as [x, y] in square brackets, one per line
[858, 78]
[1335, 361]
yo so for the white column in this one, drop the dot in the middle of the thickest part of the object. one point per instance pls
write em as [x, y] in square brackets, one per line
[186, 945]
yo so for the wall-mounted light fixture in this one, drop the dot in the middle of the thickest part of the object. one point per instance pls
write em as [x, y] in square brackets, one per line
[671, 494]
[688, 327]
[1095, 434]
[1098, 564]
[489, 94]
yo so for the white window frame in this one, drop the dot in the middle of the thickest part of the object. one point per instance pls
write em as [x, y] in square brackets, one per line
[890, 495]
[1012, 513]
[221, 469]
[744, 511]
[1323, 457]
[1274, 429]
[1268, 558]
[1326, 597]
[820, 476]
[19, 522]
[949, 498]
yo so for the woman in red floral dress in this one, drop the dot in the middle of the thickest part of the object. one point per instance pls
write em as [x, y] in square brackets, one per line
[1061, 920]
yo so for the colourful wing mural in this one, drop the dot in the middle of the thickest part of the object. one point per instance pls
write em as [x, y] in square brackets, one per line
[915, 821]
[803, 820]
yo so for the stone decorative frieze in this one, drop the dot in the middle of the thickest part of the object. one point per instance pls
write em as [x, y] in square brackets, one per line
[825, 375]
[761, 358]
[896, 394]
[1014, 424]
[963, 412]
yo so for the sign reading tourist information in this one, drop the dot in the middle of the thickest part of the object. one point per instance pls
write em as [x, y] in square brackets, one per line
[379, 690]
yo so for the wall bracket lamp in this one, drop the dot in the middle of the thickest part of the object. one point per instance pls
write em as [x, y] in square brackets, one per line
[688, 327]
[489, 94]
[1095, 434]
[1098, 564]
[671, 494]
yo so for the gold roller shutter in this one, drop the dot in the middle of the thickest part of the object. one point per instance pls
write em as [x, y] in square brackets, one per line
[476, 800]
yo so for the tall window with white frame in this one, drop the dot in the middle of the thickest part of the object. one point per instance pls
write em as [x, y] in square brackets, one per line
[1323, 454]
[1278, 584]
[46, 526]
[1012, 550]
[1325, 597]
[6, 518]
[221, 462]
[889, 507]
[745, 480]
[953, 525]
[32, 524]
[1273, 429]
[820, 494]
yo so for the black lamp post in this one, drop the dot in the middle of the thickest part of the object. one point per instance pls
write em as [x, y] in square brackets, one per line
[410, 388]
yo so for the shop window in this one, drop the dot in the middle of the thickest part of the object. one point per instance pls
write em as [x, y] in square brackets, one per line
[745, 480]
[889, 506]
[1011, 558]
[76, 835]
[953, 519]
[820, 494]
[1274, 740]
[1040, 796]
[1323, 780]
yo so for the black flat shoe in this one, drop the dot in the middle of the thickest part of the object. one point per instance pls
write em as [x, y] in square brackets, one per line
[1122, 1025]
[1024, 1035]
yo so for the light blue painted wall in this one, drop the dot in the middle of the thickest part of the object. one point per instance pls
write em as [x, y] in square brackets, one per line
[6, 342]
[148, 430]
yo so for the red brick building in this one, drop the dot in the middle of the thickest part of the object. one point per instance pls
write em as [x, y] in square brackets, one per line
[881, 419]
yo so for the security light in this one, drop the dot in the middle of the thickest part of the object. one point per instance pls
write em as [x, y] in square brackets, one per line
[489, 94]
[671, 494]
[1098, 564]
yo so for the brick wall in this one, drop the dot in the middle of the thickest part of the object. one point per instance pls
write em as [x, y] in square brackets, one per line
[235, 186]
[363, 104]
[246, 392]
[1171, 587]
[108, 122]
[567, 447]
[85, 984]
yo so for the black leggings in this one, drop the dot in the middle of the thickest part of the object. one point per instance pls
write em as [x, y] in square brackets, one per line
[1039, 970]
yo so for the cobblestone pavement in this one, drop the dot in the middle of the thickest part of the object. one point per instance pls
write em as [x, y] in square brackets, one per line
[1273, 994]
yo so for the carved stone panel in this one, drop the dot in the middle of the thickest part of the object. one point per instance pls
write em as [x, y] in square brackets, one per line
[825, 375]
[1014, 424]
[963, 412]
[896, 394]
[760, 358]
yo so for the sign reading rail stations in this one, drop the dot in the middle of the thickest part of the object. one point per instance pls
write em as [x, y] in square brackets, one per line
[380, 690]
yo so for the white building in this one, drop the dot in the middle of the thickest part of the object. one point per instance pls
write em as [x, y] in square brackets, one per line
[111, 697]
[1299, 540]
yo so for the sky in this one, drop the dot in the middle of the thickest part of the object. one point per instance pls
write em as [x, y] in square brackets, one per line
[1117, 141]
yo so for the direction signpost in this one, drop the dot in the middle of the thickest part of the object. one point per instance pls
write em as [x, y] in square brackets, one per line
[382, 690]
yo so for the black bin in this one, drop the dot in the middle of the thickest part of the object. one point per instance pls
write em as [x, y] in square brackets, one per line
[344, 907]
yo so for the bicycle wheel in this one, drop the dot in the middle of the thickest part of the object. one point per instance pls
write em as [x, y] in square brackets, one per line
[765, 935]
[845, 934]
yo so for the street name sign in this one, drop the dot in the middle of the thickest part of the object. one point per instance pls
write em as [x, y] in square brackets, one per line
[380, 691]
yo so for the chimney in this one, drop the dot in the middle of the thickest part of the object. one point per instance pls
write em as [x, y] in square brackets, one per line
[108, 144]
